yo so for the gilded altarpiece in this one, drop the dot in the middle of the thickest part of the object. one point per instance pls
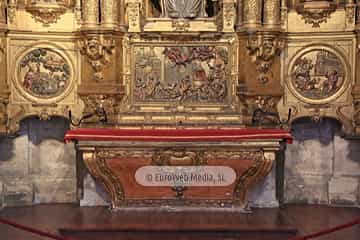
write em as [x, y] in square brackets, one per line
[165, 64]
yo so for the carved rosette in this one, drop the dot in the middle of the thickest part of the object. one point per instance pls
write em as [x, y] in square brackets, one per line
[98, 51]
[316, 12]
[263, 49]
[260, 110]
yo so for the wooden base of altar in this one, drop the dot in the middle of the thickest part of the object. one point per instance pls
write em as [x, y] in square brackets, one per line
[114, 157]
[209, 224]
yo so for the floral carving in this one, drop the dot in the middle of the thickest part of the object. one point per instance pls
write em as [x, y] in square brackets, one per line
[47, 12]
[98, 51]
[316, 12]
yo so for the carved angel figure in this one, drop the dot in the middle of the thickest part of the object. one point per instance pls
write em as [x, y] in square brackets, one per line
[183, 8]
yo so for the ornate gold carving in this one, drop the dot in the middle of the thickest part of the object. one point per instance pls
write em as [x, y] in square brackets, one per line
[261, 110]
[252, 13]
[98, 50]
[180, 25]
[263, 49]
[91, 11]
[229, 15]
[11, 11]
[271, 13]
[109, 13]
[262, 166]
[175, 157]
[99, 107]
[133, 12]
[47, 12]
[350, 12]
[316, 12]
[101, 171]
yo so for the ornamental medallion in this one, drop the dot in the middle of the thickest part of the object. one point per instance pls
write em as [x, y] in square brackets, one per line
[44, 73]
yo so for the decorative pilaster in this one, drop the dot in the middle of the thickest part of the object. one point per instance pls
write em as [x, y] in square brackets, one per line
[11, 11]
[2, 14]
[229, 15]
[90, 13]
[252, 13]
[284, 14]
[271, 14]
[133, 13]
[239, 10]
[109, 13]
[350, 11]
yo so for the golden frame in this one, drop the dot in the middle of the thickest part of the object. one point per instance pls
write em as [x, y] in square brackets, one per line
[313, 47]
[58, 49]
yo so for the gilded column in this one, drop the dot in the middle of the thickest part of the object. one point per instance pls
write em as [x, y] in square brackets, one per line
[252, 13]
[90, 13]
[271, 13]
[109, 13]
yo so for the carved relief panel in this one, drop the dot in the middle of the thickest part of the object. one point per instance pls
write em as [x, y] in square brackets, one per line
[42, 79]
[319, 77]
[196, 80]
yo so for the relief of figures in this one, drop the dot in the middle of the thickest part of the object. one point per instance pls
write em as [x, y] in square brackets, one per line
[191, 74]
[44, 73]
[181, 8]
[318, 74]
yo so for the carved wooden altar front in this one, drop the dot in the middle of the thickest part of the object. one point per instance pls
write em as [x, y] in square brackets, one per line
[115, 157]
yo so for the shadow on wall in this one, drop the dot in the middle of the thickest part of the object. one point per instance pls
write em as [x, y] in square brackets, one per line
[304, 129]
[35, 130]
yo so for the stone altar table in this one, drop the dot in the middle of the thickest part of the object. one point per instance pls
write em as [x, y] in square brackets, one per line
[114, 157]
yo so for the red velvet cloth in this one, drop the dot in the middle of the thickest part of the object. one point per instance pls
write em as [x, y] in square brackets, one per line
[176, 135]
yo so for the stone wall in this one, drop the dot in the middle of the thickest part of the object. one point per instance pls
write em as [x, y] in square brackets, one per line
[322, 167]
[36, 166]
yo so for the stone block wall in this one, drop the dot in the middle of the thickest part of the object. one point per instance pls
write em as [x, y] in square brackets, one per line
[36, 166]
[322, 167]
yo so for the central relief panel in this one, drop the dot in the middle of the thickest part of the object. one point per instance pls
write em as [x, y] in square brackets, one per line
[181, 74]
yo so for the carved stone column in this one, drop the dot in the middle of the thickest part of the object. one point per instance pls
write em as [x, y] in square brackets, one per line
[271, 13]
[109, 13]
[252, 13]
[90, 13]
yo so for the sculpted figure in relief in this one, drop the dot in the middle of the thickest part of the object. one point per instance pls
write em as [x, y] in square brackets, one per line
[183, 8]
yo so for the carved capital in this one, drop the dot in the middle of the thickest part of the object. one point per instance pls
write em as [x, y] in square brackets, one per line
[98, 51]
[263, 49]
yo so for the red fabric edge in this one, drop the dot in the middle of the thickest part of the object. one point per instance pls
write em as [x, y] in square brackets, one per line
[176, 135]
